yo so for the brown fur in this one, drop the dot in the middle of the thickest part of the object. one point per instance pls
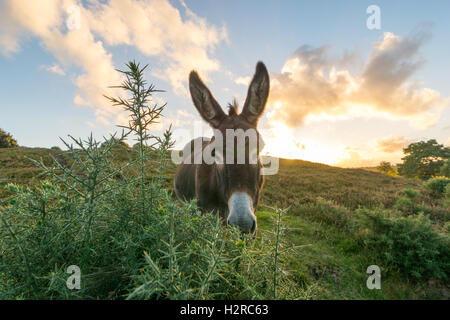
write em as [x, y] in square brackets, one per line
[212, 185]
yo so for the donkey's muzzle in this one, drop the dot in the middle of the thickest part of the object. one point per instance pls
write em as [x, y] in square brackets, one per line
[240, 206]
[244, 226]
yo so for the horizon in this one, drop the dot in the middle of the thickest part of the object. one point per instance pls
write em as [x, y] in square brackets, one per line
[341, 94]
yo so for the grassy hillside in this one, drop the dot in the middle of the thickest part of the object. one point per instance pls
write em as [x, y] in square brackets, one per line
[297, 181]
[330, 253]
[16, 167]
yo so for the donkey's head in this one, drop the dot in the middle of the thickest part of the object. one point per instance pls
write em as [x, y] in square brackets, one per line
[236, 143]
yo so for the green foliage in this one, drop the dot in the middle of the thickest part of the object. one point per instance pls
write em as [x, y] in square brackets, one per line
[169, 250]
[410, 193]
[447, 196]
[328, 212]
[350, 188]
[436, 186]
[386, 168]
[6, 140]
[142, 114]
[406, 205]
[119, 144]
[124, 230]
[446, 228]
[412, 203]
[108, 209]
[199, 259]
[423, 159]
[408, 243]
[445, 169]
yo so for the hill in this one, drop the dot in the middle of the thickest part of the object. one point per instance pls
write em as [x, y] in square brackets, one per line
[296, 182]
[329, 258]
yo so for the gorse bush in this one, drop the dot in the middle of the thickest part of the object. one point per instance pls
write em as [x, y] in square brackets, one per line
[447, 196]
[407, 203]
[118, 224]
[410, 193]
[412, 203]
[107, 209]
[386, 168]
[6, 140]
[436, 186]
[407, 243]
[197, 258]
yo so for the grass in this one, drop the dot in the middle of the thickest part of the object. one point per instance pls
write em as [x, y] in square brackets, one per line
[326, 261]
[109, 209]
[300, 182]
[297, 182]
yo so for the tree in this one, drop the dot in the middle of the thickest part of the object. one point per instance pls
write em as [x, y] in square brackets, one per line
[386, 168]
[423, 159]
[6, 140]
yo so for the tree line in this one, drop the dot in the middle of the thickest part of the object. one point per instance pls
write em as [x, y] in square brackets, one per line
[422, 160]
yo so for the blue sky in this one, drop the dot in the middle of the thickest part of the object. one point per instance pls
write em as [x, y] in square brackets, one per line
[42, 74]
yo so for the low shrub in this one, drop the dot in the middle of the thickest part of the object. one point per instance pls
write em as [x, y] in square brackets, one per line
[326, 211]
[447, 196]
[436, 186]
[124, 231]
[446, 228]
[407, 243]
[6, 140]
[410, 193]
[445, 169]
[406, 205]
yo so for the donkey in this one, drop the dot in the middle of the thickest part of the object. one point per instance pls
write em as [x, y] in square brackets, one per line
[229, 188]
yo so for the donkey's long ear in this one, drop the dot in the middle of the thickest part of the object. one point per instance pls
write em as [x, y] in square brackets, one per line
[204, 101]
[257, 94]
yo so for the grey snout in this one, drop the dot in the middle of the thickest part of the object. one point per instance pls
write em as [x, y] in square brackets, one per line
[247, 225]
[241, 215]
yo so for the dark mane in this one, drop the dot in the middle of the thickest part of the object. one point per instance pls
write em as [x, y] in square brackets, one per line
[233, 108]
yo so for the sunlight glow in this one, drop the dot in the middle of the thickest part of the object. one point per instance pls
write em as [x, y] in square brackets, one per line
[281, 142]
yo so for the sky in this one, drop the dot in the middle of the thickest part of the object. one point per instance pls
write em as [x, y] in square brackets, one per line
[342, 92]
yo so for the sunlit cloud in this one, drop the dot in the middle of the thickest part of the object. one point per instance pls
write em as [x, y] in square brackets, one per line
[312, 86]
[155, 27]
[391, 144]
[388, 148]
[353, 159]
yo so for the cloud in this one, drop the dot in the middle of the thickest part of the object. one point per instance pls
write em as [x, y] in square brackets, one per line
[155, 27]
[54, 69]
[311, 85]
[447, 143]
[245, 81]
[354, 157]
[391, 144]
